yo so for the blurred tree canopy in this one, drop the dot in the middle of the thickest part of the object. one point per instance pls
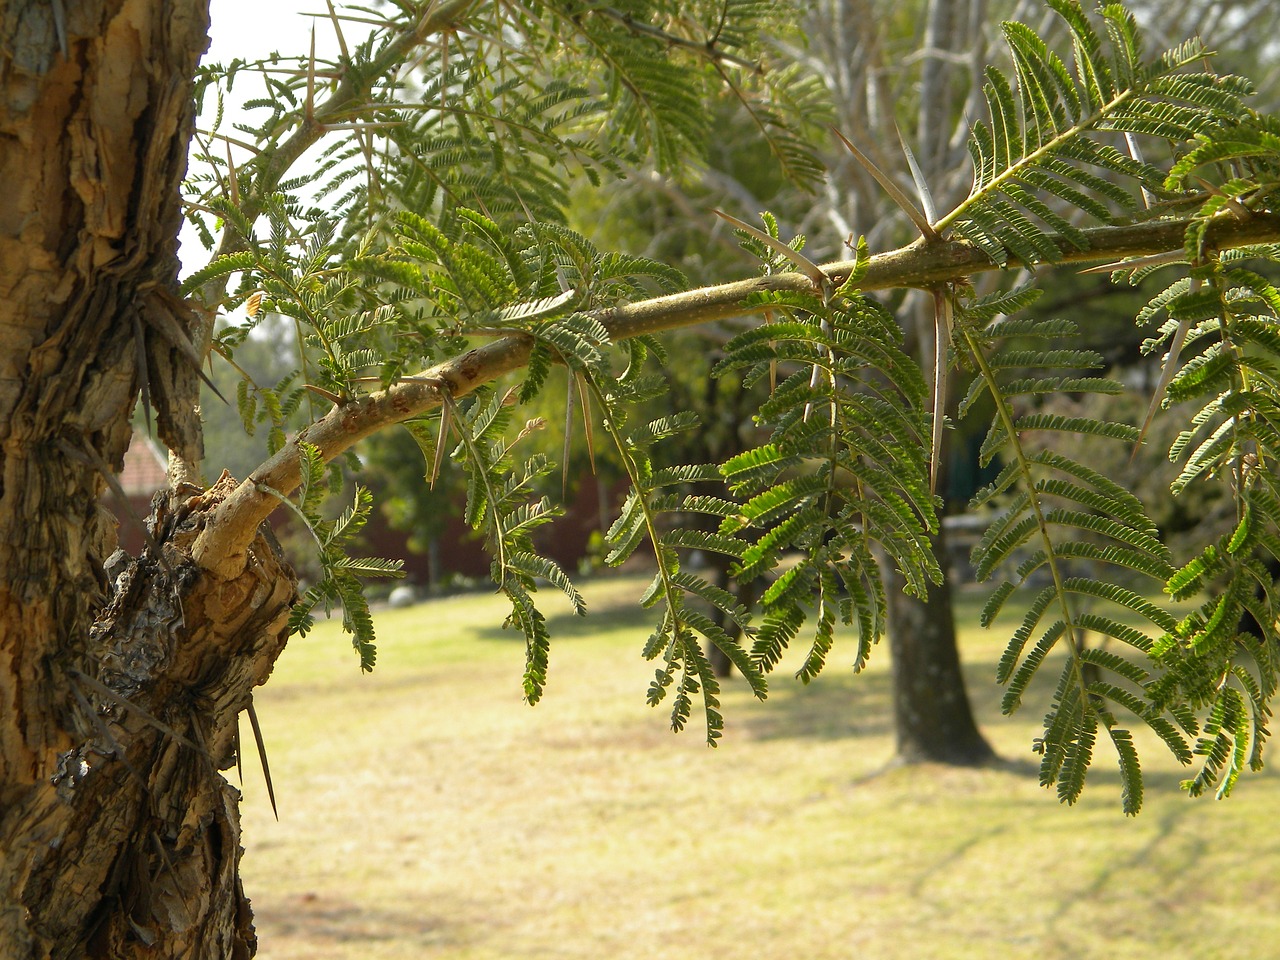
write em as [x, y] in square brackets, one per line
[434, 275]
[845, 451]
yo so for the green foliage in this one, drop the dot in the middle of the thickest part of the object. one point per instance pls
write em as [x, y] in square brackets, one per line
[1038, 158]
[340, 581]
[501, 501]
[1069, 536]
[842, 473]
[1078, 543]
[656, 492]
[1057, 513]
[1210, 662]
[453, 229]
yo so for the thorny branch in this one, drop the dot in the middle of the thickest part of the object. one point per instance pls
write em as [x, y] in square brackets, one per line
[922, 265]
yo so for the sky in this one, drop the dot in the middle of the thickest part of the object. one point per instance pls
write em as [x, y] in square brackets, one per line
[251, 30]
[255, 28]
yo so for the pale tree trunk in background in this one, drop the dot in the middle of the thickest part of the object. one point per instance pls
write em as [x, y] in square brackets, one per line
[118, 837]
[932, 716]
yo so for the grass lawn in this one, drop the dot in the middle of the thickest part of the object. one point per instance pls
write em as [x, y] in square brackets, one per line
[427, 812]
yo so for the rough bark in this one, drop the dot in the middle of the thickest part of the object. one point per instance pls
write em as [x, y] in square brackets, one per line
[117, 836]
[131, 847]
[933, 720]
[932, 717]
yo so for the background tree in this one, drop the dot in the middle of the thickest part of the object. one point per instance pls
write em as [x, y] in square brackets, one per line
[918, 68]
[123, 677]
[854, 49]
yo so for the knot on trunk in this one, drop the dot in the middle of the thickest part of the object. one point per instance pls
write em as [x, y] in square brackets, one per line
[181, 643]
[131, 846]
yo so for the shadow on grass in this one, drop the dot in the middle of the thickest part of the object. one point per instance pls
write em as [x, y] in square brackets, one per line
[840, 703]
[316, 919]
[1193, 849]
[837, 705]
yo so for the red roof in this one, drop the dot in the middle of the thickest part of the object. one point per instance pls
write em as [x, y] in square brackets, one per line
[144, 469]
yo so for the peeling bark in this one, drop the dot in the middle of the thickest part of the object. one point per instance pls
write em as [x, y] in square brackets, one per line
[127, 844]
[131, 847]
[117, 838]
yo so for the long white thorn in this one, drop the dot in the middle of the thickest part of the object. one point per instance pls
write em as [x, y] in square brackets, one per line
[802, 263]
[892, 189]
[943, 314]
[1166, 374]
[922, 186]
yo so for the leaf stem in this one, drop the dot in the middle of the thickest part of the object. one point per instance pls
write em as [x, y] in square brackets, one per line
[1035, 156]
[1033, 497]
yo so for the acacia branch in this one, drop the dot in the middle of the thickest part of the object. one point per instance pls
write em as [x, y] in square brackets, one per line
[351, 92]
[221, 546]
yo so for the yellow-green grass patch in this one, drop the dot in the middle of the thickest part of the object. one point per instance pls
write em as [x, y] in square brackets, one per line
[427, 812]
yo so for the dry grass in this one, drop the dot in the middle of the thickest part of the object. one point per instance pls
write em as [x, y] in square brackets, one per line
[426, 812]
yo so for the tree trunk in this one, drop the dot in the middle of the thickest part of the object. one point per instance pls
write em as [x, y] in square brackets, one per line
[932, 717]
[128, 844]
[120, 681]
